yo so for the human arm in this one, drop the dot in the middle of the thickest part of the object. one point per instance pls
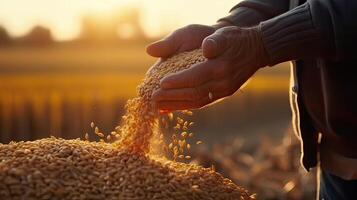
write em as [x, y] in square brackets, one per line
[308, 31]
[318, 28]
[245, 14]
[251, 12]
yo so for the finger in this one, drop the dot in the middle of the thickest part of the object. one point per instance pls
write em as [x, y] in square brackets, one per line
[218, 89]
[163, 48]
[214, 45]
[182, 94]
[183, 105]
[174, 105]
[189, 78]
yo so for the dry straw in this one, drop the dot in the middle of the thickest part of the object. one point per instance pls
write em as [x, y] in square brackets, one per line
[128, 169]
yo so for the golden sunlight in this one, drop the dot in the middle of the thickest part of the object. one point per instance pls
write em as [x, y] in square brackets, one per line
[64, 18]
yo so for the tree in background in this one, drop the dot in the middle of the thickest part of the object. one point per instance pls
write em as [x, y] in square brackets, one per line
[5, 39]
[38, 35]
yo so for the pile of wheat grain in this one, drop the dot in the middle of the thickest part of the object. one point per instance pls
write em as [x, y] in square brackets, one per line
[74, 169]
[127, 169]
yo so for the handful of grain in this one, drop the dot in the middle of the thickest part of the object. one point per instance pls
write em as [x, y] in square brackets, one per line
[73, 169]
[141, 121]
[127, 169]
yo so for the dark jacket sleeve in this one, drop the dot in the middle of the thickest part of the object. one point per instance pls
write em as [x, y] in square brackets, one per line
[340, 26]
[251, 12]
[318, 28]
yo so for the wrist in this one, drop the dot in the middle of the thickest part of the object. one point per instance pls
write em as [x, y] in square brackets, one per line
[292, 36]
[258, 47]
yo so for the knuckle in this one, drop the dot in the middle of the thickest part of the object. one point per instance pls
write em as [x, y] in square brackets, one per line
[180, 30]
[222, 31]
[229, 29]
[181, 33]
[184, 30]
[175, 36]
[191, 27]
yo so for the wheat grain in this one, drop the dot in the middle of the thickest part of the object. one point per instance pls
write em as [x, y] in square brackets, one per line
[55, 168]
[126, 169]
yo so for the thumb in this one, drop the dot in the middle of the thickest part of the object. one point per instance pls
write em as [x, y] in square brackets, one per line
[162, 48]
[214, 45]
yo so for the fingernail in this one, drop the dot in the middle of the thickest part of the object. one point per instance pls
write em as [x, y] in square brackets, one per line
[210, 47]
[212, 44]
[152, 46]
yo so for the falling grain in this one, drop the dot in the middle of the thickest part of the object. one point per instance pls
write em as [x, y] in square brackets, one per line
[55, 168]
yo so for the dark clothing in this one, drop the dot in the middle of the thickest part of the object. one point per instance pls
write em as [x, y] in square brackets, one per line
[321, 36]
[333, 187]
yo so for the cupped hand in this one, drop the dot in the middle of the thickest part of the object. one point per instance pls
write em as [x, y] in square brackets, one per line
[233, 55]
[184, 39]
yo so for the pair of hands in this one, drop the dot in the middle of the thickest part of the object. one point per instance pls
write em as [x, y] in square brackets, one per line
[233, 55]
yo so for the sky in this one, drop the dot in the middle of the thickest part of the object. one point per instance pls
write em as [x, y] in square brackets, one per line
[63, 16]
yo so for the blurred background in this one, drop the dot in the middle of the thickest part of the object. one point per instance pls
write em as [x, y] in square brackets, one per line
[65, 64]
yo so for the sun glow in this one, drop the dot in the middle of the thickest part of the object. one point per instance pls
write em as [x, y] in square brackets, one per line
[63, 18]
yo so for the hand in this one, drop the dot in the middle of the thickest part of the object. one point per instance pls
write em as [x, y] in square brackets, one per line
[233, 55]
[184, 39]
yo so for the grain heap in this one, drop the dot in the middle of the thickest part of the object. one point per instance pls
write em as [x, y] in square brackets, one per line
[74, 169]
[127, 169]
